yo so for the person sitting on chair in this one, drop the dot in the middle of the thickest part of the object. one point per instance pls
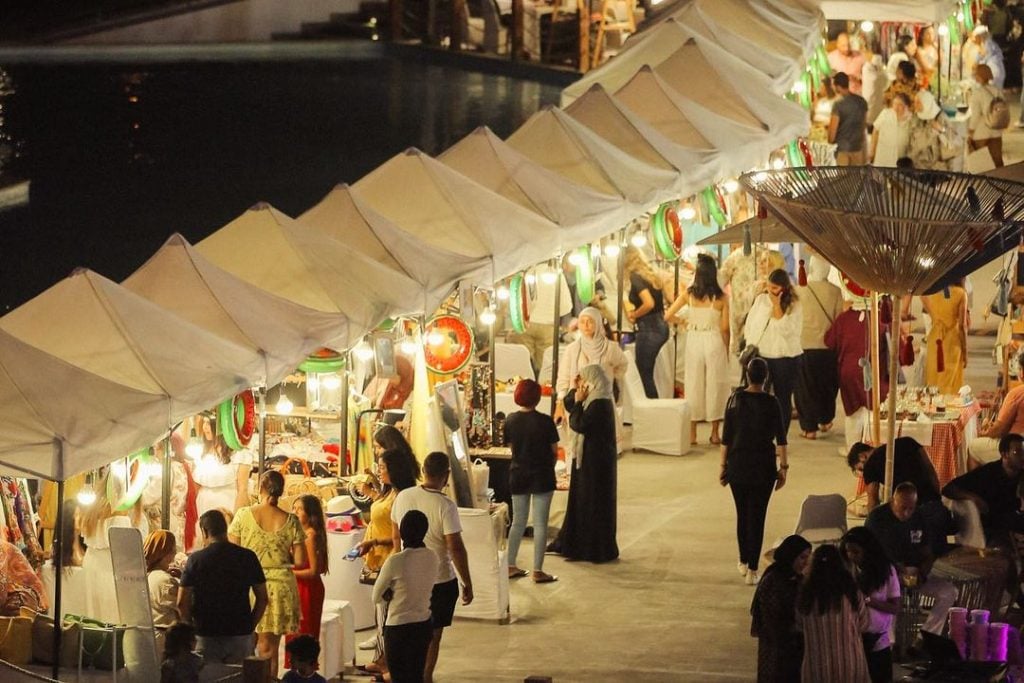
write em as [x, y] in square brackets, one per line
[993, 489]
[903, 532]
[911, 464]
[1010, 420]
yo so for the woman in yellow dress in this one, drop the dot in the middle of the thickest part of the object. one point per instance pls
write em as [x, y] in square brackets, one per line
[949, 317]
[277, 539]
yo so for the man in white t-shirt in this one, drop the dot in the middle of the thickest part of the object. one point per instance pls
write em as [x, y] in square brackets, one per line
[444, 537]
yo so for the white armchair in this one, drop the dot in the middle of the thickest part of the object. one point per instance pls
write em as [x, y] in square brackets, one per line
[661, 425]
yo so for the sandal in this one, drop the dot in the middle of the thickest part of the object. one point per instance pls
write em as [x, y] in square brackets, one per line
[715, 441]
[825, 427]
[541, 577]
[517, 574]
[809, 435]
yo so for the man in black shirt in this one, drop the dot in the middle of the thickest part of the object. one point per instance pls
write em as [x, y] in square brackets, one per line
[993, 489]
[910, 464]
[214, 594]
[903, 532]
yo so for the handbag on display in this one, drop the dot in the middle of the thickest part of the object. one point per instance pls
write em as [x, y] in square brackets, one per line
[16, 640]
[99, 640]
[42, 639]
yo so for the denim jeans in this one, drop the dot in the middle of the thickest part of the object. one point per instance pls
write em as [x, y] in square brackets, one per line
[651, 335]
[226, 649]
[520, 511]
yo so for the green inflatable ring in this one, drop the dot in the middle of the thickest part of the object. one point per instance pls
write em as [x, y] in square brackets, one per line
[226, 423]
[664, 225]
[585, 276]
[712, 207]
[517, 307]
[134, 486]
[323, 360]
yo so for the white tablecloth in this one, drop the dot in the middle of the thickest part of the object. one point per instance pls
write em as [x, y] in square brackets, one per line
[342, 582]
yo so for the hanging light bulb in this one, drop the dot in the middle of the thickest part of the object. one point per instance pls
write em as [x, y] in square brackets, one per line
[194, 447]
[639, 239]
[364, 351]
[86, 495]
[760, 177]
[778, 164]
[312, 382]
[502, 293]
[284, 404]
[688, 213]
[576, 259]
[799, 87]
[435, 338]
[611, 250]
[549, 277]
[531, 279]
[119, 469]
[595, 250]
[332, 382]
[487, 316]
[731, 185]
[867, 26]
[943, 30]
[407, 346]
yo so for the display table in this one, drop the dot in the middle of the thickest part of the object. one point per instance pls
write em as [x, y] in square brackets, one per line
[342, 582]
[483, 534]
[498, 459]
[944, 439]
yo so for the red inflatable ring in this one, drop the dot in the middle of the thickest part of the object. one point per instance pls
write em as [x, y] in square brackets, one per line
[245, 416]
[450, 352]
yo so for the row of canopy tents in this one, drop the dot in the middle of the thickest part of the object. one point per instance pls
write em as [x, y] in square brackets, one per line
[91, 370]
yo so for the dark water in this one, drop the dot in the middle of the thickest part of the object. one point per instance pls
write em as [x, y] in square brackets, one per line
[120, 156]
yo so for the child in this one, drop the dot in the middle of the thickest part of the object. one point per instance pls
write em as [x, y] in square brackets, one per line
[304, 651]
[181, 664]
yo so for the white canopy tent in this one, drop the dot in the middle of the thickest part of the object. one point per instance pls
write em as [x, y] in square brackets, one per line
[582, 213]
[343, 217]
[57, 420]
[923, 11]
[101, 327]
[274, 252]
[561, 144]
[450, 211]
[181, 280]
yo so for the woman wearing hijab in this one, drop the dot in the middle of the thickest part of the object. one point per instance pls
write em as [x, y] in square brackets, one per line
[159, 550]
[531, 476]
[590, 348]
[588, 532]
[753, 437]
[818, 379]
[780, 646]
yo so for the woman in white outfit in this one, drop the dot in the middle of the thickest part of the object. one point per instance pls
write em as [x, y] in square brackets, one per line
[223, 479]
[590, 348]
[707, 357]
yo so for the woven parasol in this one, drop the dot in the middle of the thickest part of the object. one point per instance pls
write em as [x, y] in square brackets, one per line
[892, 230]
[769, 229]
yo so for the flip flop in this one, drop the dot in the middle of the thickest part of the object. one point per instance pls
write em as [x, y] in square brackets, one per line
[810, 436]
[518, 574]
[825, 427]
[544, 578]
[715, 441]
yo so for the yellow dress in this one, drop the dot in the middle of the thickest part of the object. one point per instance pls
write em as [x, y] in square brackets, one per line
[947, 326]
[380, 528]
[274, 550]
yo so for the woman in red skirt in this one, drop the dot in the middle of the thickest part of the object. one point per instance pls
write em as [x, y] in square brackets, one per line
[311, 588]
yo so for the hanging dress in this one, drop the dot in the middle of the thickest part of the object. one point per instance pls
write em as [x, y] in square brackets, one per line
[946, 333]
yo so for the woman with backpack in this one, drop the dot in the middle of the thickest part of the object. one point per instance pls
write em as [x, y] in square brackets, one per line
[989, 115]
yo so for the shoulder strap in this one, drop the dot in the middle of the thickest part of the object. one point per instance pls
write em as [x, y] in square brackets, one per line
[820, 305]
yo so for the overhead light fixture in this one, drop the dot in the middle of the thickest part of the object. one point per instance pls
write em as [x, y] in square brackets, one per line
[688, 213]
[778, 164]
[639, 239]
[488, 317]
[284, 404]
[549, 277]
[611, 250]
[943, 30]
[731, 185]
[760, 177]
[502, 293]
[194, 447]
[799, 87]
[86, 495]
[576, 259]
[867, 26]
[531, 279]
[595, 250]
[435, 338]
[363, 351]
[312, 382]
[407, 346]
[332, 382]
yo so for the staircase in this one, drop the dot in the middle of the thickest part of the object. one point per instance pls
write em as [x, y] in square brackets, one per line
[370, 22]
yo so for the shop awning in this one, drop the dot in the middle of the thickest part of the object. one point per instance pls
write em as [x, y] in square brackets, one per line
[343, 217]
[583, 214]
[769, 229]
[104, 329]
[920, 11]
[437, 205]
[561, 144]
[182, 281]
[274, 252]
[58, 420]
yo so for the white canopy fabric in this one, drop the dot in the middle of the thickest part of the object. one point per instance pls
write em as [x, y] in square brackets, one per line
[561, 144]
[343, 217]
[924, 11]
[435, 204]
[57, 420]
[583, 213]
[104, 329]
[182, 281]
[274, 252]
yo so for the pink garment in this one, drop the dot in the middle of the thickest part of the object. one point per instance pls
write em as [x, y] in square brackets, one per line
[852, 65]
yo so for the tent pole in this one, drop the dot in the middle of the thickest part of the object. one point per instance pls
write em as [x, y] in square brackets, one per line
[894, 369]
[263, 432]
[165, 486]
[876, 374]
[675, 336]
[556, 335]
[343, 430]
[620, 269]
[58, 568]
[494, 409]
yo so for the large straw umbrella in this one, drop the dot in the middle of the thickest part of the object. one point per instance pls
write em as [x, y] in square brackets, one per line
[891, 230]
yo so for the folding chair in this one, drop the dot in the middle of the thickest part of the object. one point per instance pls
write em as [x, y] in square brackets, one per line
[822, 519]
